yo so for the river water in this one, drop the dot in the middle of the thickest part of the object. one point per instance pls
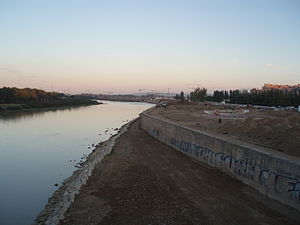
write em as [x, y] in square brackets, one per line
[41, 149]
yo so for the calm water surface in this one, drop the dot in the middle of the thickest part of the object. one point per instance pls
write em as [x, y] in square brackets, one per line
[38, 150]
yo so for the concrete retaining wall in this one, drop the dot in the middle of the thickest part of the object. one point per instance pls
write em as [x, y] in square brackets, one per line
[273, 174]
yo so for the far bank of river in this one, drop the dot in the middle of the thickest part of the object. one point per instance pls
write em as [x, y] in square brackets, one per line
[40, 149]
[21, 111]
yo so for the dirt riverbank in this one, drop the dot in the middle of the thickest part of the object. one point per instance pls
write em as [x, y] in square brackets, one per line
[146, 182]
[277, 130]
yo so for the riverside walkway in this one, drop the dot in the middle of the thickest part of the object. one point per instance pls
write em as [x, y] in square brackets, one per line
[146, 182]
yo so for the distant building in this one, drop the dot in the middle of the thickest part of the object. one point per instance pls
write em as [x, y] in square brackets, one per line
[269, 87]
[289, 88]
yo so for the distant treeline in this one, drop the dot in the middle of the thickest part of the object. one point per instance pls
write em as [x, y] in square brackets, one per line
[16, 99]
[198, 95]
[272, 97]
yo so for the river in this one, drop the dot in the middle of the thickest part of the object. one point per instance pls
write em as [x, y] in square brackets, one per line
[41, 149]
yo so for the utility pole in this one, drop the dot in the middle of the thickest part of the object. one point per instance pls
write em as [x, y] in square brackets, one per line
[169, 92]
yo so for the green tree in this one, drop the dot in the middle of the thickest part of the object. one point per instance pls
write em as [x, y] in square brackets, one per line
[182, 98]
[218, 96]
[198, 95]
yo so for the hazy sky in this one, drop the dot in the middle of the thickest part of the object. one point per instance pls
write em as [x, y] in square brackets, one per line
[123, 46]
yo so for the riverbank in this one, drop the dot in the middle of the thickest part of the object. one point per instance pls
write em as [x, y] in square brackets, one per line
[61, 200]
[19, 99]
[8, 113]
[39, 150]
[146, 182]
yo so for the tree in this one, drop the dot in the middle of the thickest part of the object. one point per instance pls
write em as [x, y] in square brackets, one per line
[182, 98]
[269, 97]
[177, 96]
[226, 95]
[218, 96]
[188, 97]
[38, 98]
[198, 95]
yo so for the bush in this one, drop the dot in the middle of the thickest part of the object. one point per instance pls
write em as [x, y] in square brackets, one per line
[1, 109]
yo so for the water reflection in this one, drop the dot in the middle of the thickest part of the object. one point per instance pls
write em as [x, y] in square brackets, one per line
[40, 149]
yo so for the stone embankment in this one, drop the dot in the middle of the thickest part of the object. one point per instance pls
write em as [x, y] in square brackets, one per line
[273, 174]
[61, 200]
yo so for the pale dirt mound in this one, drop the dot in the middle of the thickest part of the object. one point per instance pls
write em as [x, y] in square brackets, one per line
[278, 130]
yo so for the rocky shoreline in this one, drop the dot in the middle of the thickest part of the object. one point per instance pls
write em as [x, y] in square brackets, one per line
[64, 196]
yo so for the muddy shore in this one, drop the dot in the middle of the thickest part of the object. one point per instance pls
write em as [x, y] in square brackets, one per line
[146, 182]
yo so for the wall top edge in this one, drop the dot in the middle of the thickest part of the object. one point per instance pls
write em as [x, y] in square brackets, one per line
[256, 148]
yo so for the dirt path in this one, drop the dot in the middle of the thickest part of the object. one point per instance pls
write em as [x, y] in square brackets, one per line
[146, 182]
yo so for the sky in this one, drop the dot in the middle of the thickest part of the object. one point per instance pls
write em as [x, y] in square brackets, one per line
[148, 45]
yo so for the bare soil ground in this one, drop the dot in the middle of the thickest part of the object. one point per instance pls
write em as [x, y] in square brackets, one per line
[277, 130]
[146, 182]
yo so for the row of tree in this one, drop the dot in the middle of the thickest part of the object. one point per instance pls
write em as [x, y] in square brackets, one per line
[268, 98]
[35, 98]
[198, 95]
[23, 95]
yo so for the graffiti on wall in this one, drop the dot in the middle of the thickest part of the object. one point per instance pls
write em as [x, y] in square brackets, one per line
[272, 181]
